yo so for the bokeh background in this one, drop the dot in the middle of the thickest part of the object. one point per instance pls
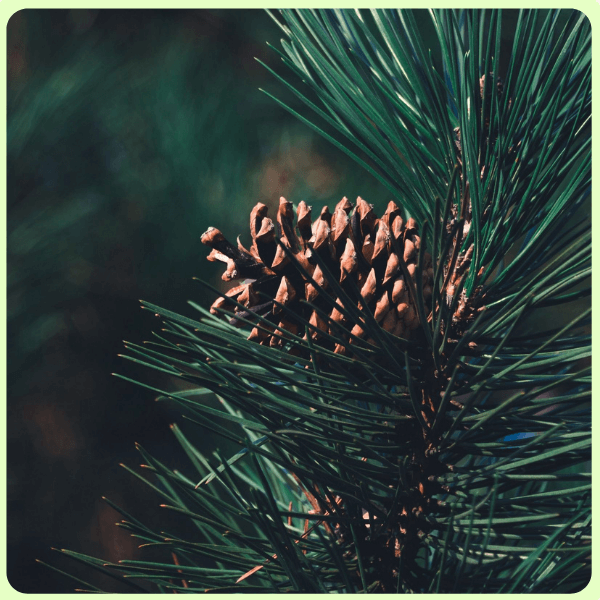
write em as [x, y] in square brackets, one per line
[129, 133]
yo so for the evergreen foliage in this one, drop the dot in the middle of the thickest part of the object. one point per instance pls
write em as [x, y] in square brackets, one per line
[453, 461]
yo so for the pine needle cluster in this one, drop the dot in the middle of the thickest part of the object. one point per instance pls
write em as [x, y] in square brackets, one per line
[410, 394]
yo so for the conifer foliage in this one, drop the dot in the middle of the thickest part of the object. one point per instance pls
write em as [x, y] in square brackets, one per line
[410, 394]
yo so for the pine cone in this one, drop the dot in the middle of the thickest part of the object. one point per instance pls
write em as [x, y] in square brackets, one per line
[362, 253]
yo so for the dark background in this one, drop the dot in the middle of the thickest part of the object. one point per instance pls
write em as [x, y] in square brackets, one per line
[129, 133]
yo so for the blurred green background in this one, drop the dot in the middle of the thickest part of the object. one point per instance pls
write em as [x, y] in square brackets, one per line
[129, 133]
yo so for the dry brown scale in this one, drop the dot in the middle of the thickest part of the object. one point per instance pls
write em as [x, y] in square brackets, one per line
[375, 254]
[489, 139]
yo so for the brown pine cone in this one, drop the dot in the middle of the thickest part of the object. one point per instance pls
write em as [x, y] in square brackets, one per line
[354, 245]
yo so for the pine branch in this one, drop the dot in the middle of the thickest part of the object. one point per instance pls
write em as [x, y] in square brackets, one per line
[404, 422]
